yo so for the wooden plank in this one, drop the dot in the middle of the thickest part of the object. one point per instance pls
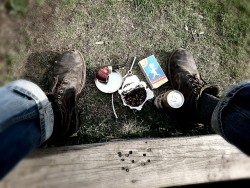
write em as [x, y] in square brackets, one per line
[157, 163]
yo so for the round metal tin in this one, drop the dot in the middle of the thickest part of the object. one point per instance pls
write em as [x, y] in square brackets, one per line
[173, 99]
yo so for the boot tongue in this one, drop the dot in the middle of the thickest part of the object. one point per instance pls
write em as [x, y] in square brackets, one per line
[211, 89]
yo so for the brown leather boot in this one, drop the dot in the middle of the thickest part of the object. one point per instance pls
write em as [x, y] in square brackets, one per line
[184, 77]
[69, 74]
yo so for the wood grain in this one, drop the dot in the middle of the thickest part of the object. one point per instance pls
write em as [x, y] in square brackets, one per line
[134, 163]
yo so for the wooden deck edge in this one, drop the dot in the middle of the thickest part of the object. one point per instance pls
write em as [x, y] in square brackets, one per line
[134, 163]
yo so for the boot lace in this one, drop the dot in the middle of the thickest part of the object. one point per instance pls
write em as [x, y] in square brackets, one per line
[196, 83]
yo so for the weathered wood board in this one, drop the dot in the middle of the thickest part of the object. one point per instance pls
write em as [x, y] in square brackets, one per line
[132, 163]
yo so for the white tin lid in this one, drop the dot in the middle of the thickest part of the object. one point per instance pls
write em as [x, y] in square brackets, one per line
[175, 99]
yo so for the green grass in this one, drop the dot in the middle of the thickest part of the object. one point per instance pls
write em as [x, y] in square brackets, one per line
[148, 6]
[19, 6]
[11, 58]
[68, 3]
[226, 23]
[229, 23]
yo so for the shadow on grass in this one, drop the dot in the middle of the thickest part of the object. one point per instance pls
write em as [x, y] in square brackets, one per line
[38, 68]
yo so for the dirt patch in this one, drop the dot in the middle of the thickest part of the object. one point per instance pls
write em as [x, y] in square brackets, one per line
[108, 31]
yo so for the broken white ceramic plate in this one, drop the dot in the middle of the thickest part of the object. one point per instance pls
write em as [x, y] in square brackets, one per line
[113, 84]
[131, 83]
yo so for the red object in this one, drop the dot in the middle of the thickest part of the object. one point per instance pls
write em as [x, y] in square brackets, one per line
[102, 74]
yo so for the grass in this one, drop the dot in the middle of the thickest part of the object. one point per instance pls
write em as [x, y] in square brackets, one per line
[232, 28]
[19, 6]
[217, 33]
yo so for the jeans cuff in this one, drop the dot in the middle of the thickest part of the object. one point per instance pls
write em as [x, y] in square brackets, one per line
[46, 115]
[227, 96]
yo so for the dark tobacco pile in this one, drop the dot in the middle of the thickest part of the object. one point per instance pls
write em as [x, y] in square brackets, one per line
[135, 97]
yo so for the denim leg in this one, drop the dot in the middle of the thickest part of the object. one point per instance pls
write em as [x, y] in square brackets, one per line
[26, 121]
[15, 107]
[231, 117]
[16, 141]
[16, 100]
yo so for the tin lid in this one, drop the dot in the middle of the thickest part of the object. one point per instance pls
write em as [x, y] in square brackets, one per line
[175, 99]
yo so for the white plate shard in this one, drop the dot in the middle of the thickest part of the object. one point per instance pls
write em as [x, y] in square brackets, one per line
[113, 84]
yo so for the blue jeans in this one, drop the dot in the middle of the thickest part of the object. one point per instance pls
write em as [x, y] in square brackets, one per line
[26, 121]
[231, 117]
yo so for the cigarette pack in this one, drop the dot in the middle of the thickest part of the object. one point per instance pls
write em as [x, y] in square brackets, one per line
[153, 72]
